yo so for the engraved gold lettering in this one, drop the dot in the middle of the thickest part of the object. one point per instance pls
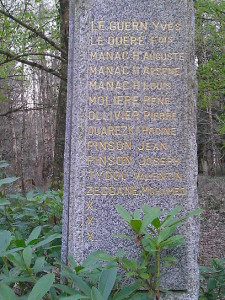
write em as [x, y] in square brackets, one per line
[109, 175]
[122, 100]
[148, 146]
[158, 86]
[109, 145]
[166, 176]
[155, 116]
[109, 160]
[176, 56]
[126, 115]
[128, 25]
[136, 85]
[109, 85]
[114, 103]
[100, 100]
[99, 173]
[88, 190]
[147, 100]
[159, 161]
[136, 70]
[93, 55]
[161, 71]
[97, 41]
[89, 205]
[178, 26]
[166, 26]
[109, 70]
[179, 191]
[152, 86]
[90, 220]
[90, 173]
[115, 175]
[136, 55]
[158, 130]
[96, 191]
[138, 175]
[161, 39]
[100, 25]
[125, 40]
[155, 25]
[113, 190]
[90, 236]
[113, 130]
[109, 55]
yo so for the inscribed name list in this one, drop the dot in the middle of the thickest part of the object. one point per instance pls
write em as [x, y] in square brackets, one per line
[135, 69]
[130, 124]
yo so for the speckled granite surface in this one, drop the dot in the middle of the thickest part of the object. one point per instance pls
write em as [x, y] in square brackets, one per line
[131, 125]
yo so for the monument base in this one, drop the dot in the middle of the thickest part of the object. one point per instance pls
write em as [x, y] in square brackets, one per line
[181, 296]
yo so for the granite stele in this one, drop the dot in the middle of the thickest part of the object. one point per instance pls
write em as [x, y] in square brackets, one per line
[131, 125]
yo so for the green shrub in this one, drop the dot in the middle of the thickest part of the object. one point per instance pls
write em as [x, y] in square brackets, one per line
[30, 247]
[213, 280]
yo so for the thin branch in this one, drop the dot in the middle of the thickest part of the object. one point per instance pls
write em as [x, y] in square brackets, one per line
[34, 64]
[35, 31]
[31, 54]
[12, 76]
[48, 22]
[213, 114]
[205, 133]
[21, 108]
[204, 19]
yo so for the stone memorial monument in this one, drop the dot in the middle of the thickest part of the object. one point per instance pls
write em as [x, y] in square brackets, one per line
[131, 125]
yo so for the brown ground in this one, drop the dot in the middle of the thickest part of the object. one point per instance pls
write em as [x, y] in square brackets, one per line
[211, 191]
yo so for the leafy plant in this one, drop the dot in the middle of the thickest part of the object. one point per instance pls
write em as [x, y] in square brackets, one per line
[213, 280]
[155, 232]
[30, 245]
[30, 263]
[3, 179]
[30, 242]
[93, 280]
[23, 266]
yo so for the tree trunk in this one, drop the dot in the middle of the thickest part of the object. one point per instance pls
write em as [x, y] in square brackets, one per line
[23, 139]
[213, 166]
[61, 107]
[13, 132]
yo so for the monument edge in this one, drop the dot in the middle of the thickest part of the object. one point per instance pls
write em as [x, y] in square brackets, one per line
[67, 153]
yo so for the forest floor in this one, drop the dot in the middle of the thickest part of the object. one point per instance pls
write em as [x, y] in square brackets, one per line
[211, 192]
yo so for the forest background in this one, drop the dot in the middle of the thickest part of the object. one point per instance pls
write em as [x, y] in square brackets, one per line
[33, 78]
[33, 89]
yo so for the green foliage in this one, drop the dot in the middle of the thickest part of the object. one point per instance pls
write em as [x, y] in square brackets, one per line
[21, 213]
[26, 216]
[210, 40]
[93, 280]
[30, 246]
[3, 179]
[41, 287]
[7, 180]
[213, 280]
[30, 241]
[155, 231]
[30, 264]
[22, 43]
